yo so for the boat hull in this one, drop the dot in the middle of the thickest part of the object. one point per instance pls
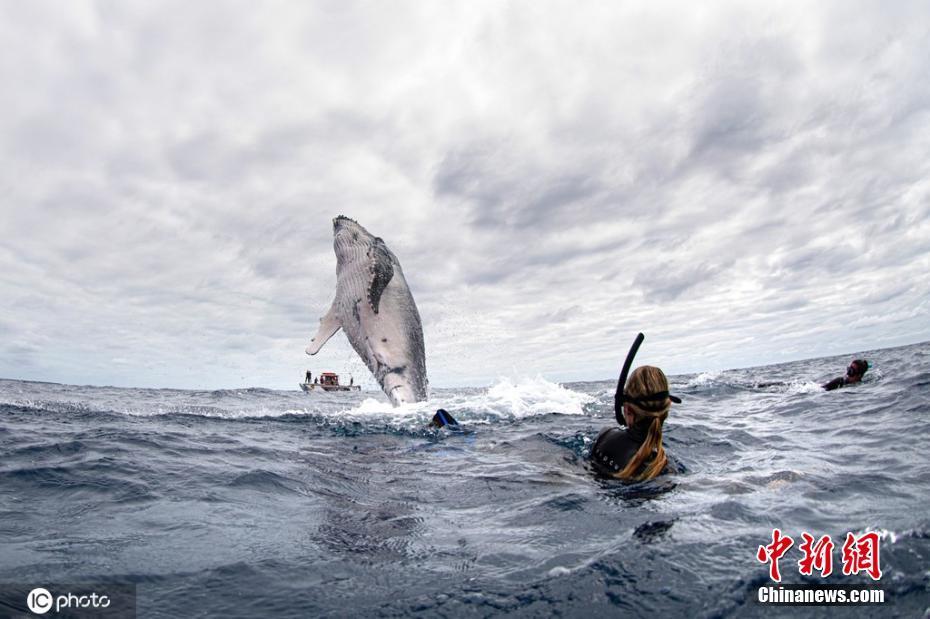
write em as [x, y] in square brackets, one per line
[313, 387]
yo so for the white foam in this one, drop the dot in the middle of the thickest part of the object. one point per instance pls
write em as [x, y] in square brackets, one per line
[559, 570]
[530, 397]
[506, 398]
[883, 534]
[704, 379]
[370, 408]
[797, 387]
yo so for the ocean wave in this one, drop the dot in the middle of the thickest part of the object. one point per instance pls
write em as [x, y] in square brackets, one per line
[800, 387]
[310, 500]
[704, 380]
[507, 399]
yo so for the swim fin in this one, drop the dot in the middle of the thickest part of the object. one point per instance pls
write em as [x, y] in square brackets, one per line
[442, 418]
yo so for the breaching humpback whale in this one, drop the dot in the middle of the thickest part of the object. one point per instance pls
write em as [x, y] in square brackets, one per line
[374, 307]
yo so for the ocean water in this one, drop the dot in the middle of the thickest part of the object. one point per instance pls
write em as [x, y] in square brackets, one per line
[258, 503]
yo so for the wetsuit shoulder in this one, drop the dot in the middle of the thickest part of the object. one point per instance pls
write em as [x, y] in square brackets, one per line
[613, 449]
[836, 383]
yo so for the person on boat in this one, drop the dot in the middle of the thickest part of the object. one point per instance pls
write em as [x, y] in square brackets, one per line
[316, 381]
[636, 453]
[308, 378]
[854, 374]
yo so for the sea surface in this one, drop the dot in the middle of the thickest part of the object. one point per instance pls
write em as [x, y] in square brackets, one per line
[259, 503]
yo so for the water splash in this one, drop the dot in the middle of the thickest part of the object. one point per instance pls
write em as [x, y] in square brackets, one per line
[703, 380]
[527, 397]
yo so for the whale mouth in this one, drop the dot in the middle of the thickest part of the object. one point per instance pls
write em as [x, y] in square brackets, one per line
[341, 220]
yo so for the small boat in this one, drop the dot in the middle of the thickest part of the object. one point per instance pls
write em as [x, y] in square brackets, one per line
[329, 381]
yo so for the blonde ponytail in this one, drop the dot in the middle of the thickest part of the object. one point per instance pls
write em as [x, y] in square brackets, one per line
[646, 380]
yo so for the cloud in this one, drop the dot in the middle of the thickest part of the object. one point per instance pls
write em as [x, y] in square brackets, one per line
[668, 282]
[743, 185]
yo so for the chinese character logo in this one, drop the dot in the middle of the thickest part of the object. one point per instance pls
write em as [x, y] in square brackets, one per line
[773, 552]
[860, 554]
[817, 556]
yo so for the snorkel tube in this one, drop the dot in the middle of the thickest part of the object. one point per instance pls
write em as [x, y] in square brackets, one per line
[643, 401]
[619, 396]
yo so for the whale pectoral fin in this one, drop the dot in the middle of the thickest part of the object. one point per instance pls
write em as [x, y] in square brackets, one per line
[329, 324]
[380, 270]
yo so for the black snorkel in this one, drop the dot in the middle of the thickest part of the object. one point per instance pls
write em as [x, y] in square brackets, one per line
[620, 396]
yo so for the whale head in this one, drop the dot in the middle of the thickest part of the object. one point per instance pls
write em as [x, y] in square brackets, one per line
[350, 240]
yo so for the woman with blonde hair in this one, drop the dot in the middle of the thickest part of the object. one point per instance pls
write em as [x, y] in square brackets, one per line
[642, 404]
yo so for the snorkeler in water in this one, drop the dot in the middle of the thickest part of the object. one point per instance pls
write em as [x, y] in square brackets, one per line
[854, 374]
[642, 405]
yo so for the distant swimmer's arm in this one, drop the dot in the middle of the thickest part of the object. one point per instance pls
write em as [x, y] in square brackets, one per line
[777, 383]
[836, 383]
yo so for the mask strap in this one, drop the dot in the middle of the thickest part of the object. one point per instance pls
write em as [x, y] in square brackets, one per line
[644, 401]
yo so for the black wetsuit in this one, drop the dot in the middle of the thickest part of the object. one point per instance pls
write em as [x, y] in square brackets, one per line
[836, 383]
[615, 447]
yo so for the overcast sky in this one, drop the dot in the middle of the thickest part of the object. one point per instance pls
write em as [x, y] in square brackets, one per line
[747, 183]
